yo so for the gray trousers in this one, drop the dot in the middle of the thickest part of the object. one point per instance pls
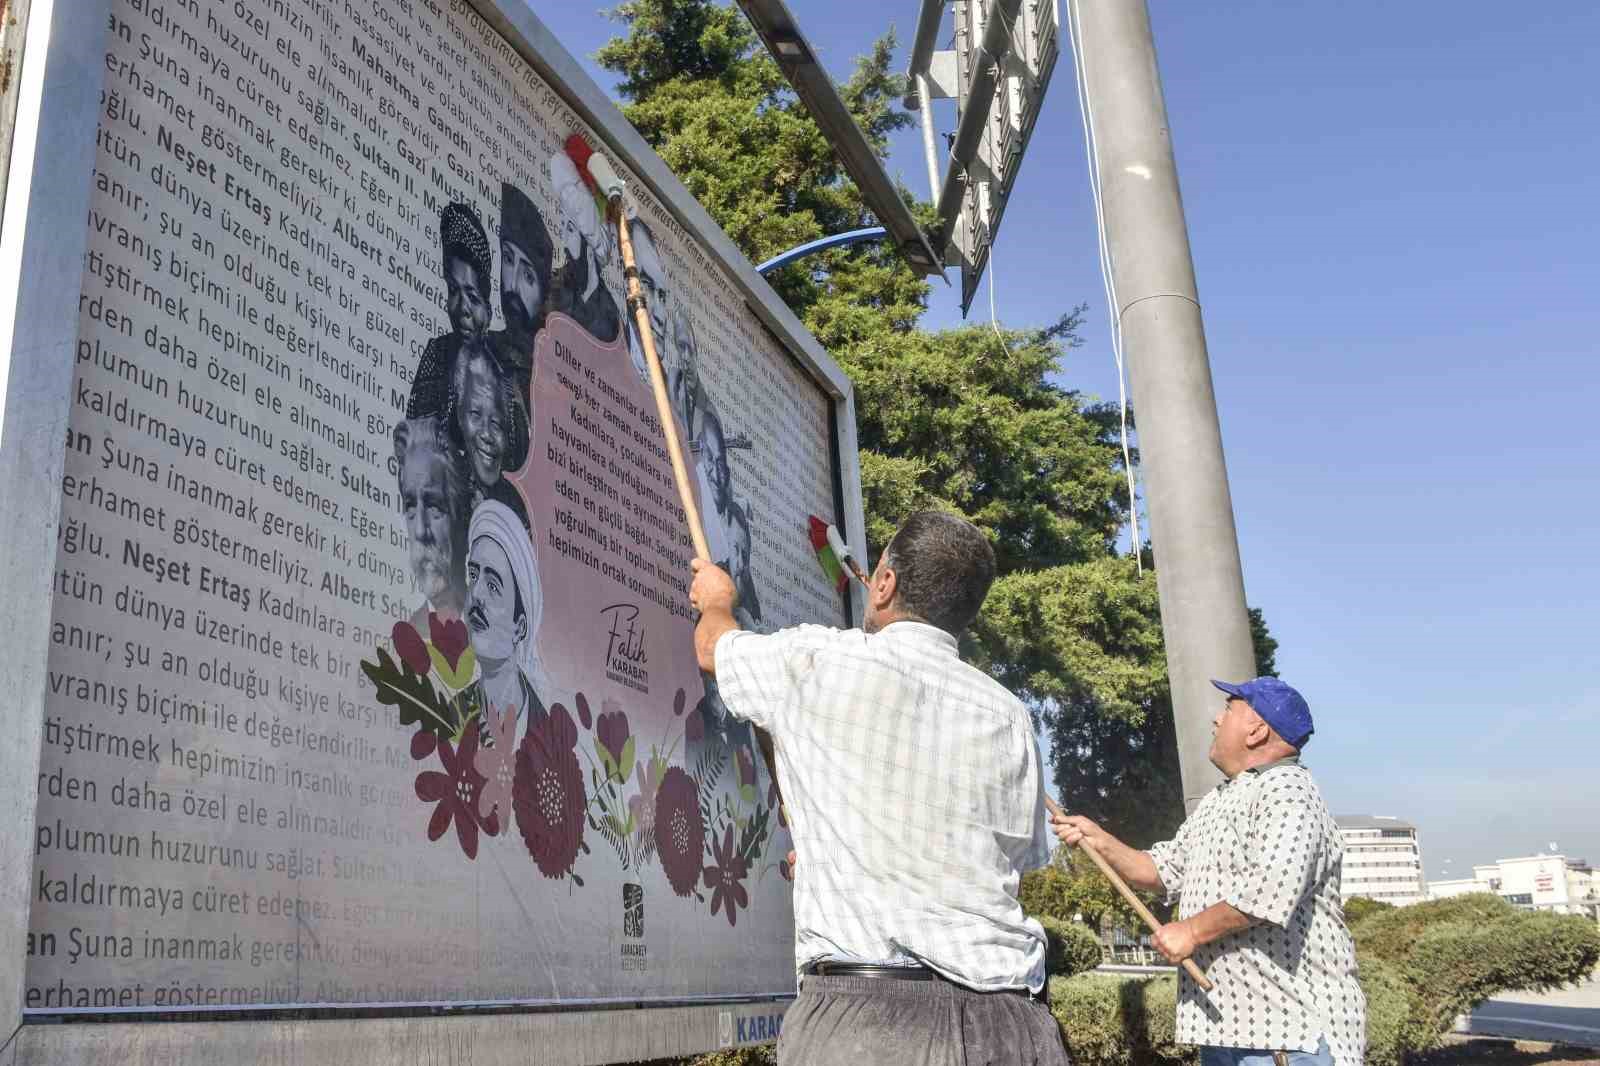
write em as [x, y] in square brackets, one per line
[879, 1022]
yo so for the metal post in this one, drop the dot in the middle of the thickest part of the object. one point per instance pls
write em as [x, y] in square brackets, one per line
[925, 95]
[1203, 613]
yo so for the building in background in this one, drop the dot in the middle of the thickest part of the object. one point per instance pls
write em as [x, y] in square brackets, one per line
[1536, 882]
[1381, 860]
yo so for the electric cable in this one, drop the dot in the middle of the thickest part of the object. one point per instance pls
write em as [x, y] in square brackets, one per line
[1086, 112]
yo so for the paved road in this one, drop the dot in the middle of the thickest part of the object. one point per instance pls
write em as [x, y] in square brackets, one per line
[1568, 1015]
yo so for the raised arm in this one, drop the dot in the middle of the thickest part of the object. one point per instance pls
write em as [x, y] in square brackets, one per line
[1134, 866]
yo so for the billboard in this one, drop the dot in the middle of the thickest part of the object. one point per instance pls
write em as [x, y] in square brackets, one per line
[370, 676]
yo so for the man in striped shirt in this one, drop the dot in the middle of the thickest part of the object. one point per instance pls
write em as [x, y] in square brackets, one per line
[915, 798]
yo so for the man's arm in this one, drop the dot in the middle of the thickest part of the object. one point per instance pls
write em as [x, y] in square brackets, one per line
[714, 595]
[1134, 866]
[1178, 940]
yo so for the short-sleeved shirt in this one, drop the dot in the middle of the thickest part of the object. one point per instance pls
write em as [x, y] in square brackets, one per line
[1265, 843]
[914, 793]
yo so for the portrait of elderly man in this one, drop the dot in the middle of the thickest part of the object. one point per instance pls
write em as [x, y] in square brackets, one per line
[578, 289]
[658, 297]
[434, 500]
[466, 266]
[526, 252]
[505, 604]
[725, 519]
[488, 424]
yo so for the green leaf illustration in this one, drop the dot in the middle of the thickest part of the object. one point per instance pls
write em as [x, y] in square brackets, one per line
[625, 762]
[461, 676]
[412, 694]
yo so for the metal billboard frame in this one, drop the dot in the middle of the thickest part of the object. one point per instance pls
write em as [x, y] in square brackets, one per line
[998, 72]
[43, 238]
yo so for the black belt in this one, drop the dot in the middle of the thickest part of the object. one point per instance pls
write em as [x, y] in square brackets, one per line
[827, 968]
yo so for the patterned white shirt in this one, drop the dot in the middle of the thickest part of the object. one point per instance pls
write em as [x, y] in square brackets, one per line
[914, 792]
[1265, 843]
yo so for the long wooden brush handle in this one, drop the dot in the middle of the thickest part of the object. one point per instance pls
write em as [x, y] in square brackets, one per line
[1189, 967]
[658, 382]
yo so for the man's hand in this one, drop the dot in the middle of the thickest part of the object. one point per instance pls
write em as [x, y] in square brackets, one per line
[1176, 940]
[712, 589]
[714, 595]
[1075, 829]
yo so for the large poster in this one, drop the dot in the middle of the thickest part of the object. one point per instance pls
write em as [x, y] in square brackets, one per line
[371, 677]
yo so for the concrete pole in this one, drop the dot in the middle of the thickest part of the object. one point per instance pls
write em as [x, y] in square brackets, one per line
[1203, 613]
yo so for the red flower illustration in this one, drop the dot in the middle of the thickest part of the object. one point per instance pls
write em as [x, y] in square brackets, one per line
[680, 832]
[449, 635]
[583, 711]
[724, 879]
[611, 731]
[423, 744]
[678, 703]
[409, 646]
[547, 793]
[497, 764]
[456, 793]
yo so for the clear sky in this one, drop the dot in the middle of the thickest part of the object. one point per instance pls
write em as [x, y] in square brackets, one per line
[1393, 214]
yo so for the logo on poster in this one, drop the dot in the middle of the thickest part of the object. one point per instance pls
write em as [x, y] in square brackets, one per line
[625, 654]
[633, 911]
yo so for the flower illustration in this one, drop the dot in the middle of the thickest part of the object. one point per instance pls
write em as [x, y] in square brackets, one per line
[456, 793]
[583, 711]
[449, 637]
[611, 734]
[724, 878]
[642, 804]
[547, 793]
[409, 646]
[496, 761]
[423, 744]
[680, 831]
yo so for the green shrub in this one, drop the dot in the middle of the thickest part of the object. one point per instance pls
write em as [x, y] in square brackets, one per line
[1359, 907]
[1454, 954]
[1071, 947]
[1388, 1012]
[1111, 1020]
[760, 1055]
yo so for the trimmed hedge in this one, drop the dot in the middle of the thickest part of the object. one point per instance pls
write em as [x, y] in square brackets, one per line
[1453, 954]
[1070, 947]
[1111, 1020]
[1115, 1020]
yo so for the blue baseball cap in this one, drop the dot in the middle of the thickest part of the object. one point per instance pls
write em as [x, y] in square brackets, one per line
[1278, 704]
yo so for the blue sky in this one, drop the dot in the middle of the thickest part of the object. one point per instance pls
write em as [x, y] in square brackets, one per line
[1392, 208]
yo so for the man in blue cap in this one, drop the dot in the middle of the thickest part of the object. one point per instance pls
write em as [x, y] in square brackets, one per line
[1256, 872]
